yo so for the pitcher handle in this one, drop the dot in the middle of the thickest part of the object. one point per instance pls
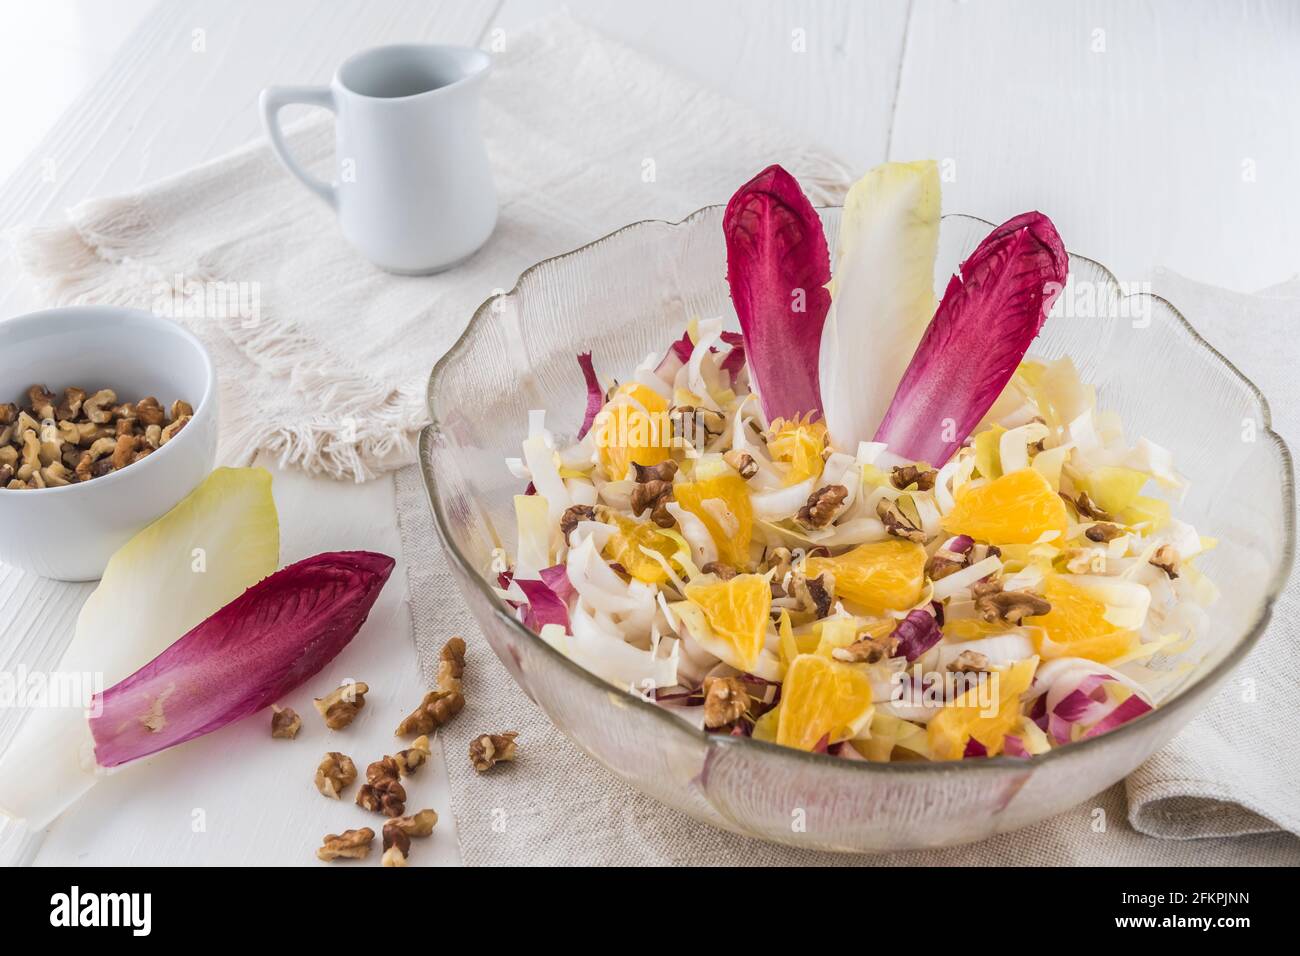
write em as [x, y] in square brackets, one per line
[274, 99]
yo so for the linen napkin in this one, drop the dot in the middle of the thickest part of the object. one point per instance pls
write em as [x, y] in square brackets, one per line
[323, 358]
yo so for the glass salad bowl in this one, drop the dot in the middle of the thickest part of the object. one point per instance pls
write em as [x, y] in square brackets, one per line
[630, 294]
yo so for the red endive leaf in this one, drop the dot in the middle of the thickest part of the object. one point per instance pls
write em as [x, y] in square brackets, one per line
[244, 657]
[990, 313]
[778, 266]
[595, 394]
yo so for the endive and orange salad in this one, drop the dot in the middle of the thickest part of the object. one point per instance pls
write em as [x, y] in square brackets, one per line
[867, 524]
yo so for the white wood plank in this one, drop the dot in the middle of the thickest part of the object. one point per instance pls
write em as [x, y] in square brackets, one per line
[1154, 134]
[827, 69]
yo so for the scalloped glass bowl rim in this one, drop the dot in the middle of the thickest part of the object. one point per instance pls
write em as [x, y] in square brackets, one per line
[674, 724]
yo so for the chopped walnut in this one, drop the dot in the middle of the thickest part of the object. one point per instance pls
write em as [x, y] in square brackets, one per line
[572, 515]
[397, 847]
[385, 795]
[1166, 559]
[653, 491]
[725, 572]
[335, 774]
[742, 461]
[780, 562]
[867, 650]
[341, 706]
[814, 594]
[487, 750]
[50, 433]
[944, 562]
[436, 708]
[905, 475]
[451, 665]
[901, 519]
[725, 701]
[690, 423]
[1085, 560]
[416, 825]
[1011, 607]
[150, 412]
[285, 722]
[348, 845]
[969, 662]
[1104, 532]
[382, 769]
[410, 760]
[1086, 507]
[822, 506]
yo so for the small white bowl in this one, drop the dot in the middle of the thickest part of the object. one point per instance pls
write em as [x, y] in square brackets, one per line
[70, 532]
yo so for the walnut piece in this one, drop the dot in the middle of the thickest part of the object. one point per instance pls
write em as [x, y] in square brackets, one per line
[867, 650]
[742, 461]
[1010, 607]
[822, 506]
[653, 491]
[340, 706]
[397, 847]
[385, 795]
[572, 515]
[348, 845]
[487, 750]
[969, 662]
[411, 759]
[1086, 507]
[451, 666]
[1103, 532]
[901, 519]
[725, 701]
[436, 708]
[335, 774]
[780, 562]
[813, 594]
[905, 475]
[724, 572]
[1166, 559]
[285, 722]
[416, 825]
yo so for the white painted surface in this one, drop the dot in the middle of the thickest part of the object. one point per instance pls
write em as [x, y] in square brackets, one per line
[1173, 145]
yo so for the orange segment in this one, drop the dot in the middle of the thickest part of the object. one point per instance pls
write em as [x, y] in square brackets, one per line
[1014, 509]
[624, 548]
[968, 717]
[737, 612]
[626, 433]
[799, 443]
[879, 576]
[722, 503]
[820, 698]
[1076, 626]
[973, 628]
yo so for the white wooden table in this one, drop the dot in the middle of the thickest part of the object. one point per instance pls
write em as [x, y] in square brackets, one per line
[1158, 135]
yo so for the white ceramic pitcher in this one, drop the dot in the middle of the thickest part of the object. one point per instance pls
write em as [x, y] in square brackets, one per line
[413, 191]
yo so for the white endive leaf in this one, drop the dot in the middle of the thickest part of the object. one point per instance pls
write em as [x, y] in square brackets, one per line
[219, 541]
[882, 295]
